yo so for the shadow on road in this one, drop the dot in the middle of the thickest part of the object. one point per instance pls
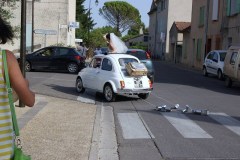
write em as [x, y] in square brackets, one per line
[166, 72]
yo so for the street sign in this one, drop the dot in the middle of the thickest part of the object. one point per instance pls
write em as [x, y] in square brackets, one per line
[44, 31]
[73, 24]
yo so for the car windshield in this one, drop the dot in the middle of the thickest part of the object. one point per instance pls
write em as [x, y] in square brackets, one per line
[124, 61]
[141, 55]
[222, 56]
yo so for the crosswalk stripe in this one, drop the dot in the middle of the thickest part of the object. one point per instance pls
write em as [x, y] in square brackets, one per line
[132, 126]
[185, 126]
[86, 99]
[227, 121]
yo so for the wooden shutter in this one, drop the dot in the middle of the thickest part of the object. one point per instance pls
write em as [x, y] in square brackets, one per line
[215, 10]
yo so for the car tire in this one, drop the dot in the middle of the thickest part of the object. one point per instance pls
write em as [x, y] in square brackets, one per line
[28, 66]
[72, 67]
[109, 95]
[228, 82]
[220, 74]
[79, 85]
[143, 95]
[205, 73]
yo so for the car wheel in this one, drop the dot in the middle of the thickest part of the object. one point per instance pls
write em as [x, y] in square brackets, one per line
[228, 82]
[27, 66]
[205, 71]
[72, 68]
[143, 95]
[109, 95]
[219, 74]
[79, 85]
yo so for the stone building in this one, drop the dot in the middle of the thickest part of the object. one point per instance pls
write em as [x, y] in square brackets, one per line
[52, 23]
[167, 12]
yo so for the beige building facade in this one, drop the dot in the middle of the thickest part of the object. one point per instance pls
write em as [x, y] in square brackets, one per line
[52, 21]
[168, 11]
[215, 25]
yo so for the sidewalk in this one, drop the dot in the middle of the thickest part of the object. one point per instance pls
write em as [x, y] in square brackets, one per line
[56, 129]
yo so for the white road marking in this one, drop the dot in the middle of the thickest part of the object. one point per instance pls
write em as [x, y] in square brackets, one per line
[185, 126]
[132, 126]
[86, 99]
[229, 122]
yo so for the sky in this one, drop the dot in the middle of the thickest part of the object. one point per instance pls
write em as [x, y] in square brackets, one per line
[142, 5]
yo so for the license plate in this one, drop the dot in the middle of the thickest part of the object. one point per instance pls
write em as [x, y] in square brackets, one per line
[138, 83]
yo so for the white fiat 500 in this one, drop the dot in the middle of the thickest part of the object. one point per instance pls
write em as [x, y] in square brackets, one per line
[108, 74]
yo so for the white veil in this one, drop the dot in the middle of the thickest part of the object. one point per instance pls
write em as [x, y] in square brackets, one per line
[118, 44]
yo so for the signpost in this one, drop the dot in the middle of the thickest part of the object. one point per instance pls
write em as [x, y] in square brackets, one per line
[45, 32]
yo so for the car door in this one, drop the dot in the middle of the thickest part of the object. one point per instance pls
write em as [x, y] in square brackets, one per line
[59, 60]
[232, 70]
[208, 62]
[91, 78]
[214, 64]
[104, 74]
[238, 66]
[42, 58]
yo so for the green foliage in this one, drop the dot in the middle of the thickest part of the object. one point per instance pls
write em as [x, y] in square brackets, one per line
[134, 30]
[83, 16]
[96, 36]
[120, 15]
[139, 45]
[6, 8]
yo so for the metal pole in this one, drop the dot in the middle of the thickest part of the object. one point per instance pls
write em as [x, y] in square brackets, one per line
[32, 48]
[23, 42]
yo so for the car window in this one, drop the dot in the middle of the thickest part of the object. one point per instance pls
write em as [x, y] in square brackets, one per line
[63, 51]
[210, 56]
[46, 52]
[222, 56]
[141, 55]
[215, 56]
[124, 61]
[106, 65]
[233, 58]
[96, 62]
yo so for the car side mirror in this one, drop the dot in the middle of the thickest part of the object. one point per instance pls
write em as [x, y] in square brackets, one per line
[215, 60]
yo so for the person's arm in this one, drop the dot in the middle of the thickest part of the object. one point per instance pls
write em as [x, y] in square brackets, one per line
[18, 82]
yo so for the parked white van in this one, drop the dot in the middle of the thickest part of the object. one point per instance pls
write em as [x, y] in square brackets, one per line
[231, 68]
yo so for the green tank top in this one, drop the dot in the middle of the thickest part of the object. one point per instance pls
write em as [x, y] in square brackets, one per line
[6, 129]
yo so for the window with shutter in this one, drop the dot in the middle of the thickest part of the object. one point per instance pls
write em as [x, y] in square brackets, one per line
[199, 48]
[201, 16]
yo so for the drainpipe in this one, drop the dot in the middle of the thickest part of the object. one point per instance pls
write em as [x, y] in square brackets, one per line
[155, 37]
[206, 28]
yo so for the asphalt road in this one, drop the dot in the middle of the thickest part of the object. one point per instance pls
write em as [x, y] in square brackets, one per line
[144, 133]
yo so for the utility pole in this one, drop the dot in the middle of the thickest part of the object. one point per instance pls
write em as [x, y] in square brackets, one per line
[23, 42]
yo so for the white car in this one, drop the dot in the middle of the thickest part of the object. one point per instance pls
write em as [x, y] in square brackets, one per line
[214, 63]
[108, 74]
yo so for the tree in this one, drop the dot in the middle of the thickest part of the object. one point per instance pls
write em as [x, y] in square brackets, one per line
[85, 20]
[135, 30]
[120, 15]
[97, 36]
[6, 8]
